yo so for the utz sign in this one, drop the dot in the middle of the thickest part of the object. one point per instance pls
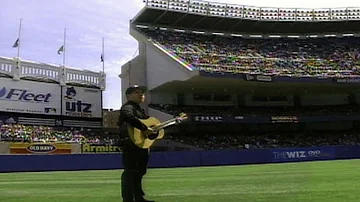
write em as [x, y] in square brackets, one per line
[29, 97]
[81, 102]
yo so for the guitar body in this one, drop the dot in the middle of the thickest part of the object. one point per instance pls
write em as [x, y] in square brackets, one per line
[139, 138]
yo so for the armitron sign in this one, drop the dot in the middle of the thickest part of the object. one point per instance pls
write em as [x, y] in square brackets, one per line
[100, 148]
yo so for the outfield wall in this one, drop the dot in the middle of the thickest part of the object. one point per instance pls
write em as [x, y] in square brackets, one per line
[67, 162]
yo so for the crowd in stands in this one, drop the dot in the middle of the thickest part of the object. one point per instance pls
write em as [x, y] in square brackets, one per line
[262, 141]
[24, 133]
[235, 110]
[214, 141]
[310, 57]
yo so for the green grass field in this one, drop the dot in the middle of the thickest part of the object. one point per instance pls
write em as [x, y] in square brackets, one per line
[326, 181]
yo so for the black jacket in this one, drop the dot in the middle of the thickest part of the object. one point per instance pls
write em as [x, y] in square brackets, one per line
[130, 113]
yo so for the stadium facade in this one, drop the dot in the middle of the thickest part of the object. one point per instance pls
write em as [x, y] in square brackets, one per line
[33, 93]
[182, 62]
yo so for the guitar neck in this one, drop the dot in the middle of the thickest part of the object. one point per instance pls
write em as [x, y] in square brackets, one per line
[165, 124]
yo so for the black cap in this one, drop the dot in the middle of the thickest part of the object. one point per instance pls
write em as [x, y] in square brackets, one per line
[133, 88]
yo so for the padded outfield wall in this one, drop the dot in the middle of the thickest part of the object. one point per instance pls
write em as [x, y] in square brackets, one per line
[72, 162]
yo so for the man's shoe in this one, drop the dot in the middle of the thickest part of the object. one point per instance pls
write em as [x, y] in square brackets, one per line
[128, 201]
[143, 200]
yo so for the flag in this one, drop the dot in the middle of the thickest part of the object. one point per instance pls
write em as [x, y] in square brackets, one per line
[102, 58]
[61, 49]
[16, 44]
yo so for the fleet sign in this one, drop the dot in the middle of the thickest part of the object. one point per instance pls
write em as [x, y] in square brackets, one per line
[29, 97]
[81, 102]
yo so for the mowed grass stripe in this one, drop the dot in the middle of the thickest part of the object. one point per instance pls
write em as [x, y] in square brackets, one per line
[309, 181]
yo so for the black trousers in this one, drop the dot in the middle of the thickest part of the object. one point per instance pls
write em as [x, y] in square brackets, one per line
[135, 162]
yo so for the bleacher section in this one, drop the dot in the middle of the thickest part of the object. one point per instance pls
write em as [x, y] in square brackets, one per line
[293, 57]
[45, 134]
[267, 140]
[183, 141]
[231, 110]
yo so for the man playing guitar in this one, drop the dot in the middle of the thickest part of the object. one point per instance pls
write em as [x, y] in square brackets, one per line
[141, 131]
[135, 159]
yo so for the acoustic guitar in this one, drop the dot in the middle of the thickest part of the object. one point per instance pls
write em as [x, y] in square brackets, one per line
[145, 142]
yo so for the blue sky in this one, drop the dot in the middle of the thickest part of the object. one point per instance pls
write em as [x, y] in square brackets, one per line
[87, 21]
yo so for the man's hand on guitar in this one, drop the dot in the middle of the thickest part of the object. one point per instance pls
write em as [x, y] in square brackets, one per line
[148, 132]
[181, 117]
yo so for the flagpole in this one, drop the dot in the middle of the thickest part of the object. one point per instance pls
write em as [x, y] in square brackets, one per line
[103, 55]
[102, 82]
[64, 52]
[18, 52]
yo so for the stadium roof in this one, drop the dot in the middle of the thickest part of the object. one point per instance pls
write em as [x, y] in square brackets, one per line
[217, 17]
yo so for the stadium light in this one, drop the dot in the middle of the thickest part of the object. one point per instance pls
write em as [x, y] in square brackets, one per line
[293, 36]
[178, 5]
[159, 4]
[142, 26]
[179, 30]
[220, 34]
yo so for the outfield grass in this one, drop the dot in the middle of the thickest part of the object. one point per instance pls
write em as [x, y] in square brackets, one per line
[326, 181]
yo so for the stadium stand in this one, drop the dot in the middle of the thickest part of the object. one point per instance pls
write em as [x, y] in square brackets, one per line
[309, 57]
[45, 134]
[267, 140]
[207, 141]
[215, 48]
[232, 110]
[300, 56]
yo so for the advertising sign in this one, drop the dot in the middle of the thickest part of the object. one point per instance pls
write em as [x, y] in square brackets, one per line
[348, 80]
[260, 78]
[100, 148]
[303, 154]
[81, 102]
[284, 119]
[40, 148]
[30, 97]
[208, 119]
[8, 119]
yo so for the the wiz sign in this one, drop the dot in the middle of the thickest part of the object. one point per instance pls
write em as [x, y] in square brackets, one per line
[297, 154]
